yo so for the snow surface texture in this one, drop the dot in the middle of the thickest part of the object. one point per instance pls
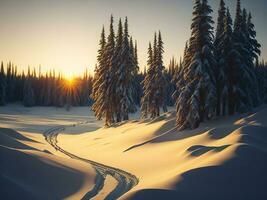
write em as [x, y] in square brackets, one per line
[223, 159]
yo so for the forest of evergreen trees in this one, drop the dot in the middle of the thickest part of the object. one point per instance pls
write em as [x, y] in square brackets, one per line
[219, 74]
[32, 89]
[52, 89]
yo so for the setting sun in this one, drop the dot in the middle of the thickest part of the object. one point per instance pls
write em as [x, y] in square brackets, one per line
[69, 80]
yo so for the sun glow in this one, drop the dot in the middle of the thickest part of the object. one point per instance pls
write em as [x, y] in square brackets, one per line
[69, 79]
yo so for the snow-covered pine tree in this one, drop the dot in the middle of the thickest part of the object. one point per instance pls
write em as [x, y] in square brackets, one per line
[154, 82]
[219, 72]
[254, 53]
[197, 99]
[255, 46]
[234, 89]
[220, 24]
[148, 83]
[150, 80]
[152, 106]
[133, 50]
[244, 90]
[265, 83]
[169, 75]
[178, 77]
[118, 59]
[160, 80]
[262, 79]
[137, 78]
[2, 85]
[132, 47]
[169, 88]
[101, 95]
[171, 66]
[135, 82]
[248, 59]
[225, 64]
[28, 93]
[125, 76]
[136, 57]
[96, 76]
[111, 70]
[261, 69]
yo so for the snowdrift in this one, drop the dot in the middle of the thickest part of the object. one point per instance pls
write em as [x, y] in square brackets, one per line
[223, 159]
[30, 172]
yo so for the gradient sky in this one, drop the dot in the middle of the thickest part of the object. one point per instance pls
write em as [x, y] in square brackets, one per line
[64, 34]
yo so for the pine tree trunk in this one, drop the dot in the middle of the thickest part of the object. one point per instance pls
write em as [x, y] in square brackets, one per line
[107, 118]
[218, 109]
[126, 117]
[223, 107]
[158, 112]
[165, 109]
[231, 104]
[118, 117]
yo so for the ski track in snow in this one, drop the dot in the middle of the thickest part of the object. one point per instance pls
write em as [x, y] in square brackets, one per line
[126, 181]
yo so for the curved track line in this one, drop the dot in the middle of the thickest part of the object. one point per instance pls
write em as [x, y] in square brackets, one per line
[126, 181]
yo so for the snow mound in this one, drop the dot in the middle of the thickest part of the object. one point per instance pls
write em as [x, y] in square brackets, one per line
[31, 173]
[223, 159]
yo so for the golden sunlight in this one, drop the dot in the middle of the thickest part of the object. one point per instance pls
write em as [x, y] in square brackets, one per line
[69, 78]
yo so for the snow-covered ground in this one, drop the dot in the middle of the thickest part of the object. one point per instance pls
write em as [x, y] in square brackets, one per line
[223, 159]
[30, 167]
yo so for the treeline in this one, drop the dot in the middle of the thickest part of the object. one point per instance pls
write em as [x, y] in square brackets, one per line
[52, 89]
[48, 89]
[218, 75]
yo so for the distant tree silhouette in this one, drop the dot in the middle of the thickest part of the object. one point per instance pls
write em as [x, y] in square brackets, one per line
[2, 85]
[43, 90]
[28, 92]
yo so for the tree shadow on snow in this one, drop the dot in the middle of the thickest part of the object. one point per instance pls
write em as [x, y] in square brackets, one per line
[243, 177]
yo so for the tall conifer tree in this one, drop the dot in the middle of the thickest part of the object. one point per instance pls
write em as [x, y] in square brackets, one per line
[125, 76]
[118, 59]
[197, 99]
[101, 106]
[219, 72]
[148, 84]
